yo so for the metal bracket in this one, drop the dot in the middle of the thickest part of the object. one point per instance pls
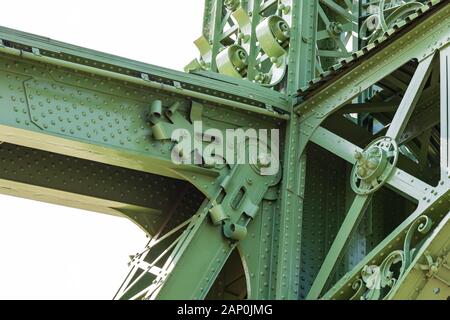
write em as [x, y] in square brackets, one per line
[241, 194]
[244, 186]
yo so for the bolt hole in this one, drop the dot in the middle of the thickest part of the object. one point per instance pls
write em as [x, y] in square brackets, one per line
[237, 199]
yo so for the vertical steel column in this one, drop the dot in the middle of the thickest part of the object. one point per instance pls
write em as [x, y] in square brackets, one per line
[301, 68]
[302, 50]
[207, 16]
[445, 104]
[216, 31]
[254, 50]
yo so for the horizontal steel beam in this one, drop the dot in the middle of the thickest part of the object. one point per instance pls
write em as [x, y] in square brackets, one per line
[222, 92]
[88, 185]
[82, 115]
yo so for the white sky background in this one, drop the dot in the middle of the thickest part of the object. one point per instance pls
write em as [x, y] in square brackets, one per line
[53, 252]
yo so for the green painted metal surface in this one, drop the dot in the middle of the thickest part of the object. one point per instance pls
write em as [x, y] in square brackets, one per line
[357, 93]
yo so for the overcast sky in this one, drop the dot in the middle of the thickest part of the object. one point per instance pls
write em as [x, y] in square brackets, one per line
[53, 252]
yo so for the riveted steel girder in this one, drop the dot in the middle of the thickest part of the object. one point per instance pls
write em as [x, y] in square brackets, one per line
[370, 278]
[94, 131]
[91, 108]
[94, 116]
[428, 276]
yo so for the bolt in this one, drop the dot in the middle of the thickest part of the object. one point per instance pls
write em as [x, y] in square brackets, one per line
[264, 160]
[285, 9]
[362, 171]
[372, 164]
[358, 155]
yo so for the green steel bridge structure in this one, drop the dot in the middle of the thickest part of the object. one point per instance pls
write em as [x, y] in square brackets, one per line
[359, 92]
